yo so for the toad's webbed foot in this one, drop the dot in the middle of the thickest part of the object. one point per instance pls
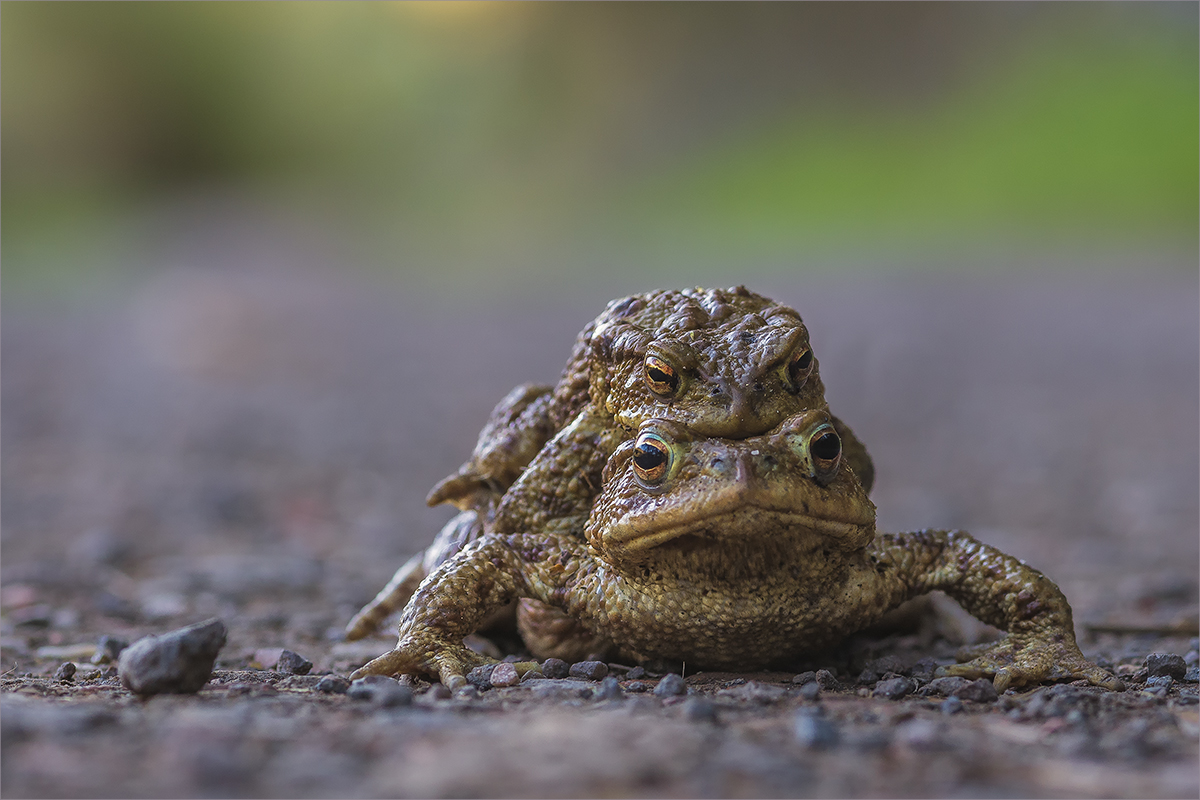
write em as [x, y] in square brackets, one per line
[415, 654]
[1013, 662]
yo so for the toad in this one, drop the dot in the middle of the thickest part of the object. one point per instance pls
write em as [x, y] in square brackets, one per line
[723, 362]
[732, 554]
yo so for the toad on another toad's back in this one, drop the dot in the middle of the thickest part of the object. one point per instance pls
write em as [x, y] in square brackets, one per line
[732, 554]
[723, 362]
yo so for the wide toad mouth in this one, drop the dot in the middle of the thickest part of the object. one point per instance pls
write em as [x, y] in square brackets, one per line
[748, 520]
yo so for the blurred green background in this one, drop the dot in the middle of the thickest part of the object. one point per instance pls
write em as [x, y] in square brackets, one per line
[517, 142]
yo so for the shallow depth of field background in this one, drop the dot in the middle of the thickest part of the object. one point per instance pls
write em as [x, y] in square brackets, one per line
[493, 147]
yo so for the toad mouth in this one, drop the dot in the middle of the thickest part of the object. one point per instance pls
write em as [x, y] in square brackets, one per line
[648, 535]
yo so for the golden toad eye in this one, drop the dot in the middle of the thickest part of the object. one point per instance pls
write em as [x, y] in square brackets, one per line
[661, 377]
[651, 458]
[799, 367]
[825, 448]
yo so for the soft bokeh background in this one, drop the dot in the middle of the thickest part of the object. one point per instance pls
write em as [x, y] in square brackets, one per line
[501, 144]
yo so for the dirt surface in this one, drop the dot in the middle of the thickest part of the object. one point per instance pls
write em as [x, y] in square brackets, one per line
[256, 447]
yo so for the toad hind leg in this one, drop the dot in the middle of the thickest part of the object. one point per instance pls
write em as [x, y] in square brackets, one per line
[1001, 591]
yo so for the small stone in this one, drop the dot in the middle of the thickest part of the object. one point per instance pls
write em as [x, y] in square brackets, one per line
[65, 672]
[810, 691]
[589, 670]
[1164, 681]
[951, 705]
[1165, 664]
[332, 684]
[555, 668]
[467, 692]
[829, 683]
[481, 677]
[700, 709]
[670, 685]
[980, 690]
[1192, 675]
[178, 662]
[637, 687]
[380, 690]
[804, 677]
[636, 674]
[505, 674]
[923, 671]
[290, 663]
[609, 689]
[894, 688]
[880, 667]
[815, 732]
[946, 687]
[108, 649]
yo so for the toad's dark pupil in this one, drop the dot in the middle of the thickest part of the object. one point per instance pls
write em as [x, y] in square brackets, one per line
[803, 362]
[826, 446]
[658, 376]
[648, 457]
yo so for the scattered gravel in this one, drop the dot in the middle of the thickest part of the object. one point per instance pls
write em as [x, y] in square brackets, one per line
[555, 668]
[588, 670]
[1169, 664]
[179, 662]
[290, 663]
[332, 684]
[671, 685]
[894, 688]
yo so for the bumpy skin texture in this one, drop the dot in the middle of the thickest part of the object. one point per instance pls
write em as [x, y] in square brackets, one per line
[738, 364]
[730, 554]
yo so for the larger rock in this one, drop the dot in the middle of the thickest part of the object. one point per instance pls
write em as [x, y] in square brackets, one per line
[179, 662]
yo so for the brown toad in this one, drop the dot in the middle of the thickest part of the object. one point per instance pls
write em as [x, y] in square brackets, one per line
[732, 554]
[723, 362]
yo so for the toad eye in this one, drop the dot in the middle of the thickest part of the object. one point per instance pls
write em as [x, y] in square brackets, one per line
[651, 458]
[825, 448]
[799, 367]
[661, 377]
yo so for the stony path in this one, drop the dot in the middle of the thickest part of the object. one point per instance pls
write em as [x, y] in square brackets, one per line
[234, 445]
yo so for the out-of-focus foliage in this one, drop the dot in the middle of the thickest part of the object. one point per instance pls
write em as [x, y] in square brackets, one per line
[484, 134]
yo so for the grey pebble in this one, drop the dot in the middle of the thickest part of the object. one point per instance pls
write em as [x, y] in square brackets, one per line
[804, 677]
[980, 690]
[481, 677]
[810, 691]
[815, 732]
[1192, 675]
[894, 688]
[555, 668]
[637, 686]
[700, 709]
[1158, 664]
[670, 685]
[636, 674]
[609, 689]
[952, 705]
[108, 649]
[65, 672]
[946, 687]
[829, 683]
[589, 670]
[924, 670]
[179, 662]
[291, 663]
[380, 690]
[505, 674]
[1164, 681]
[333, 684]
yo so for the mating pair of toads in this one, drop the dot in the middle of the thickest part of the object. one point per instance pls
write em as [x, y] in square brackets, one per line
[685, 493]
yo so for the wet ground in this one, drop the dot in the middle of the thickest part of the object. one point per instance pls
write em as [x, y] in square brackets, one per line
[256, 446]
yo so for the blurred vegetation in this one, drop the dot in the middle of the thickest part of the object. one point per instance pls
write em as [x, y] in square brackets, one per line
[481, 135]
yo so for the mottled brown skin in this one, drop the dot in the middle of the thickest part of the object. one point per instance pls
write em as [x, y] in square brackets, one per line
[736, 554]
[740, 364]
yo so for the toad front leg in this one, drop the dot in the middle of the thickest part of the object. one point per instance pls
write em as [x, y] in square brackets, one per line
[461, 593]
[1000, 590]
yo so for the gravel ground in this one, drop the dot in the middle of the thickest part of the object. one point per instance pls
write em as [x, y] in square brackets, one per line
[241, 445]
